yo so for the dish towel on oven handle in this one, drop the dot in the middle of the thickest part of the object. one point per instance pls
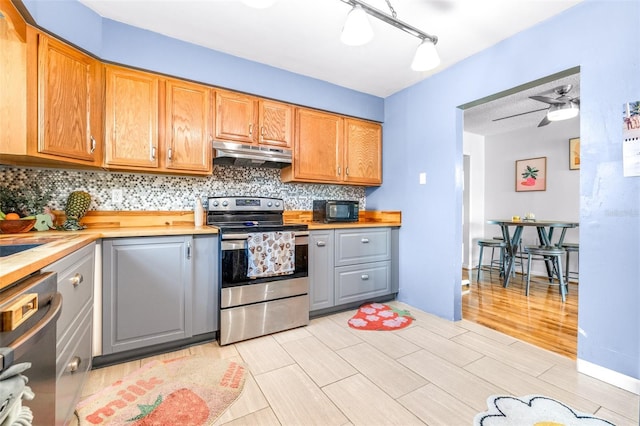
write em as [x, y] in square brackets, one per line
[271, 253]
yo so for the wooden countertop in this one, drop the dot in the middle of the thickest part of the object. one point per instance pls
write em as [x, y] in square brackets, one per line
[114, 224]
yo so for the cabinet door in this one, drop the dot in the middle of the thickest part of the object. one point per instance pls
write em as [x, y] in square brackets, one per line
[317, 147]
[276, 124]
[236, 117]
[69, 103]
[206, 287]
[321, 288]
[13, 81]
[131, 122]
[188, 127]
[147, 286]
[362, 152]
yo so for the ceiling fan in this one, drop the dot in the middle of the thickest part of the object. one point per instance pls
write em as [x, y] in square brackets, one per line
[561, 108]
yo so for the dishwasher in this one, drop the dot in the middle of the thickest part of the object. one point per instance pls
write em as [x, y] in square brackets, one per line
[29, 310]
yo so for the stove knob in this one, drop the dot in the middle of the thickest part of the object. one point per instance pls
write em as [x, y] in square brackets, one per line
[225, 204]
[215, 204]
[269, 204]
[277, 203]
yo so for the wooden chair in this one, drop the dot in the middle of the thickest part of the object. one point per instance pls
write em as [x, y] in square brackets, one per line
[551, 254]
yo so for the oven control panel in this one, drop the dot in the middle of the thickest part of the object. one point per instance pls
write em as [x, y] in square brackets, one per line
[245, 204]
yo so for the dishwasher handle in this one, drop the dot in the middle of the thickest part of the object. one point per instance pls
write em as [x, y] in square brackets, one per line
[31, 337]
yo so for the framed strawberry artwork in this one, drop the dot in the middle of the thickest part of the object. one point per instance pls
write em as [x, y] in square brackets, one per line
[531, 174]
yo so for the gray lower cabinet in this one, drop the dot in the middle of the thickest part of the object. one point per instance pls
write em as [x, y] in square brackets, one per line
[158, 290]
[74, 328]
[352, 265]
[321, 254]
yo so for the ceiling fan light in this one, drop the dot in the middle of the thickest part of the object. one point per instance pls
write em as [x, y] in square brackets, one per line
[426, 57]
[563, 112]
[357, 29]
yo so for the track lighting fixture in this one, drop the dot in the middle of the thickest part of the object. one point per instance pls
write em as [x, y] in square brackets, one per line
[357, 31]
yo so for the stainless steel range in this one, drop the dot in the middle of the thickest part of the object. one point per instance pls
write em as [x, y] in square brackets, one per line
[263, 267]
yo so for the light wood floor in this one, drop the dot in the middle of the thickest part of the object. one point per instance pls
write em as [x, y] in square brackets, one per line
[433, 372]
[540, 319]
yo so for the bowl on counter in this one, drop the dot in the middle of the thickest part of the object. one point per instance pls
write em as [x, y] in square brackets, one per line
[16, 226]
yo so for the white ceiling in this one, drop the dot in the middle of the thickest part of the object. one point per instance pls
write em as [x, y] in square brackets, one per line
[302, 36]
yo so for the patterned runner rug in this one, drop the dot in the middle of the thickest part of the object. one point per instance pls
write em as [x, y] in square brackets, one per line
[377, 316]
[190, 390]
[533, 410]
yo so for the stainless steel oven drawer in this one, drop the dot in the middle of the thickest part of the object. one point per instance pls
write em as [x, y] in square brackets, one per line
[246, 322]
[254, 293]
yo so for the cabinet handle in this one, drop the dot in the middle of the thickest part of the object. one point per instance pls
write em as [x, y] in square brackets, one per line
[153, 152]
[74, 364]
[169, 154]
[321, 243]
[346, 171]
[250, 129]
[339, 170]
[76, 279]
[364, 240]
[188, 250]
[364, 277]
[93, 145]
[262, 131]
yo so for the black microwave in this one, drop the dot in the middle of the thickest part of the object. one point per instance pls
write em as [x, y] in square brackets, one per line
[335, 211]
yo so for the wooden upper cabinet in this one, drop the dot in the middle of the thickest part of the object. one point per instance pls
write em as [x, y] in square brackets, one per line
[69, 102]
[188, 127]
[13, 81]
[275, 123]
[131, 118]
[236, 116]
[317, 148]
[329, 148]
[362, 152]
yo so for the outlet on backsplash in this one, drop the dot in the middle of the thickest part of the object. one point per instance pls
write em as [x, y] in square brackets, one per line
[116, 196]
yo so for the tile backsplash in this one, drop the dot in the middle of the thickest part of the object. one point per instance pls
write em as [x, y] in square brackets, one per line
[164, 192]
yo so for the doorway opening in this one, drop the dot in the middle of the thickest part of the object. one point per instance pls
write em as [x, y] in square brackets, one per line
[499, 131]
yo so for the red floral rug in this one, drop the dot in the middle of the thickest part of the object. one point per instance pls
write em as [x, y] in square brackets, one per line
[377, 316]
[190, 390]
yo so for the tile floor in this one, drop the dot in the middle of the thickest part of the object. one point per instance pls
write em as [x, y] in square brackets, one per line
[435, 372]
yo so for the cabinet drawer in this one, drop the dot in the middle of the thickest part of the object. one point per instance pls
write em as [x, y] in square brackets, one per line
[359, 282]
[361, 246]
[71, 370]
[75, 283]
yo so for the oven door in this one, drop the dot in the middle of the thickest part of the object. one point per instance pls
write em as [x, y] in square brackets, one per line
[234, 264]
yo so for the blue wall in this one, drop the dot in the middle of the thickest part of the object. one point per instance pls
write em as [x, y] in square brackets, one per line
[120, 43]
[423, 133]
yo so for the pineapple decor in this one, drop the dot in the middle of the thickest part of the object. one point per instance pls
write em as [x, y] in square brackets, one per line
[77, 206]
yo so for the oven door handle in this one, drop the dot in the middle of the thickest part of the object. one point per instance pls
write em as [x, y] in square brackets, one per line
[245, 235]
[31, 337]
[238, 244]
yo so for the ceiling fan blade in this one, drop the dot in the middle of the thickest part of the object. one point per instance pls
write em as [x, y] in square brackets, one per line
[544, 122]
[547, 100]
[517, 115]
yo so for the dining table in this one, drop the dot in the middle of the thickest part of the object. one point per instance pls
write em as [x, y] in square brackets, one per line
[545, 230]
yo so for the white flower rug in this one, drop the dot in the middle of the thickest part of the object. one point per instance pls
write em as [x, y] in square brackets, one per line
[533, 410]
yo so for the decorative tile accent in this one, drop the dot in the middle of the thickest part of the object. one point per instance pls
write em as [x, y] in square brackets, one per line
[167, 192]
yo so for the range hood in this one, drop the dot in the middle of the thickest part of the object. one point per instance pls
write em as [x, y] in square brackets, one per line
[237, 154]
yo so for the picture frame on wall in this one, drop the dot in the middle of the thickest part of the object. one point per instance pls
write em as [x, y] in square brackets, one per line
[531, 174]
[574, 154]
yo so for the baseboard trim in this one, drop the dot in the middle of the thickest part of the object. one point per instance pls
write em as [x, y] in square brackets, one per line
[609, 376]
